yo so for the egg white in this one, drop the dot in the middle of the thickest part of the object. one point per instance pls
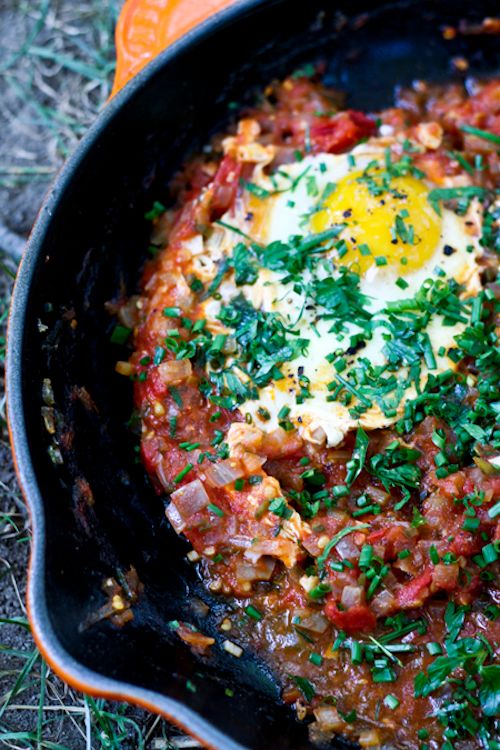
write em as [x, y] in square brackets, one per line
[287, 213]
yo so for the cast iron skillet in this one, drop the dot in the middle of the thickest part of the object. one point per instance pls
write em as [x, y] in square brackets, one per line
[95, 512]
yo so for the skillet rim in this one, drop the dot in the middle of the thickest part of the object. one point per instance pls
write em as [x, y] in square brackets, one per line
[71, 671]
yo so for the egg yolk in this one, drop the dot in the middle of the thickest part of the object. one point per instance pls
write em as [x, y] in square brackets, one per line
[396, 227]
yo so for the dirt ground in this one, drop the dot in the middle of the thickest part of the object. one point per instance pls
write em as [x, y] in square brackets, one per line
[56, 66]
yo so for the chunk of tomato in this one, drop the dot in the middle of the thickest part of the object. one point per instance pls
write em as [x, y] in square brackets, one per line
[414, 594]
[225, 186]
[339, 133]
[352, 620]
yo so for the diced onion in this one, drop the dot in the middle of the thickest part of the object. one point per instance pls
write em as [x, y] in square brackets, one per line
[124, 368]
[232, 649]
[245, 436]
[351, 596]
[383, 604]
[240, 541]
[347, 549]
[310, 544]
[262, 570]
[252, 462]
[445, 576]
[225, 472]
[369, 738]
[279, 443]
[329, 719]
[175, 519]
[314, 623]
[128, 314]
[190, 498]
[162, 472]
[175, 371]
[375, 493]
[283, 549]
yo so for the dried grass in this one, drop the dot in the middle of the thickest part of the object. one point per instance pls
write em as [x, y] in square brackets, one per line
[56, 64]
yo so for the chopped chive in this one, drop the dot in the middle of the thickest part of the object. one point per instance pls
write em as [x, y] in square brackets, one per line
[462, 161]
[217, 439]
[159, 355]
[157, 210]
[306, 688]
[120, 335]
[490, 553]
[321, 560]
[253, 612]
[174, 392]
[340, 490]
[239, 484]
[433, 648]
[256, 479]
[356, 652]
[172, 312]
[380, 260]
[439, 439]
[189, 446]
[447, 194]
[471, 524]
[391, 701]
[349, 717]
[337, 566]
[404, 554]
[375, 509]
[434, 555]
[256, 190]
[484, 134]
[214, 508]
[180, 476]
[279, 507]
[441, 459]
[429, 357]
[476, 309]
[494, 511]
[340, 364]
[196, 284]
[345, 383]
[385, 674]
[366, 555]
[479, 560]
[316, 659]
[319, 591]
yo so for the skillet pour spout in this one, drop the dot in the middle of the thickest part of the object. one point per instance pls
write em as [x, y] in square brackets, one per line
[95, 516]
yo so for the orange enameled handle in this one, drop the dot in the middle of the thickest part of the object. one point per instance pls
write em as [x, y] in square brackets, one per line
[146, 27]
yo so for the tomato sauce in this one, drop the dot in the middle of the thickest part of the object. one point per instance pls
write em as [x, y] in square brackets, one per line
[352, 610]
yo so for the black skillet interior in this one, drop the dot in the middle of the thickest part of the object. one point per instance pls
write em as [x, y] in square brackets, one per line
[92, 247]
